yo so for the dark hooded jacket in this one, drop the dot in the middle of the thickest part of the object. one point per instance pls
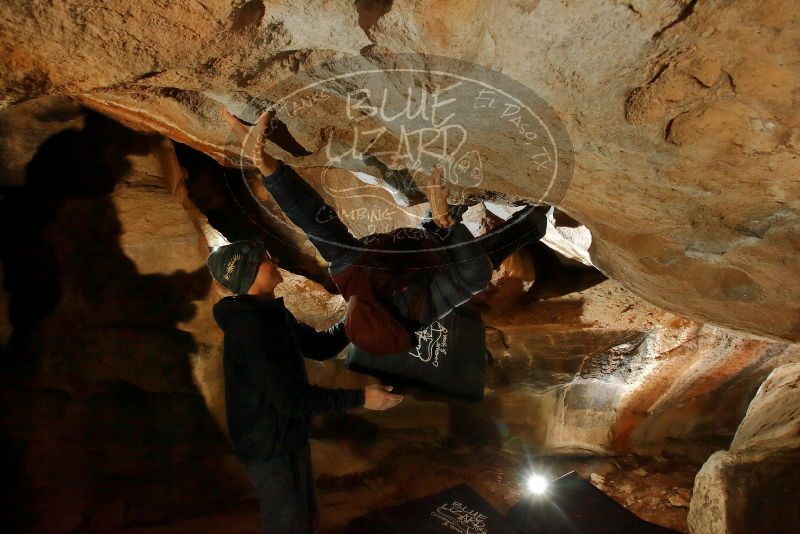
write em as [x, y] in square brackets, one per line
[268, 397]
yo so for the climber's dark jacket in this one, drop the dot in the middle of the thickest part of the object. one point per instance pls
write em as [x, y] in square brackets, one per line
[378, 322]
[269, 400]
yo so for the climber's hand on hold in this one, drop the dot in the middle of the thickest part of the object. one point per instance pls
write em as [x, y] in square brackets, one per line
[437, 190]
[252, 139]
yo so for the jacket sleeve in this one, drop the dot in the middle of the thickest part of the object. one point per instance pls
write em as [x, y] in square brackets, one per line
[307, 209]
[323, 344]
[468, 275]
[265, 358]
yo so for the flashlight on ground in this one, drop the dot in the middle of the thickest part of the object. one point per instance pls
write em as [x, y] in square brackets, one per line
[537, 484]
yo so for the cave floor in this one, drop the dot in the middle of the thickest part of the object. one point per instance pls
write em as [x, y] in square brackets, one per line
[656, 489]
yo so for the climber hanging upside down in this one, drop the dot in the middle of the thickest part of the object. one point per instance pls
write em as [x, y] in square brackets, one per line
[398, 282]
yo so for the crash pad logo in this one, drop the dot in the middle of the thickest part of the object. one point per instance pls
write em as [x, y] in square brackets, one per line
[431, 343]
[461, 518]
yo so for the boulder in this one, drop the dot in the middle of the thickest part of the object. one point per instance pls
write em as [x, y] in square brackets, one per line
[752, 487]
[681, 114]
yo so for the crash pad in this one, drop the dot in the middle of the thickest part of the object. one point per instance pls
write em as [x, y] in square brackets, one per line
[449, 357]
[573, 505]
[458, 510]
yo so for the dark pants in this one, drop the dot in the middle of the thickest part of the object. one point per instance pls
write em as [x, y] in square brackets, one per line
[308, 210]
[525, 226]
[285, 490]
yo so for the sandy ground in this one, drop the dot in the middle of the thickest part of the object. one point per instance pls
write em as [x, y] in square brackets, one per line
[657, 490]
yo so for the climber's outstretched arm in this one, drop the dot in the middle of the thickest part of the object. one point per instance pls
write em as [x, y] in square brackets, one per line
[298, 200]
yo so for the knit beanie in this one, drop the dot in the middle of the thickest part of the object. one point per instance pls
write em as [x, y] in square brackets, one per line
[235, 266]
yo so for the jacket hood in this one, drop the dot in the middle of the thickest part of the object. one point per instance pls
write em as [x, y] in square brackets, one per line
[227, 310]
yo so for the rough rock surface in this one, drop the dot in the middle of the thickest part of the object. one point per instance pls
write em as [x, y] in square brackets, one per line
[105, 418]
[114, 368]
[684, 118]
[683, 115]
[609, 373]
[752, 487]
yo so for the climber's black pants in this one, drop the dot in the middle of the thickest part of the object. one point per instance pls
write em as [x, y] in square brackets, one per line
[525, 226]
[285, 490]
[306, 208]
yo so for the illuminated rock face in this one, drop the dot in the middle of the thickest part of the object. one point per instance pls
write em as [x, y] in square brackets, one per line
[683, 115]
[599, 370]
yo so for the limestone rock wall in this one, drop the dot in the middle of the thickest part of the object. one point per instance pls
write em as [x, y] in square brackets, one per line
[752, 487]
[598, 370]
[107, 417]
[683, 115]
[113, 380]
[684, 118]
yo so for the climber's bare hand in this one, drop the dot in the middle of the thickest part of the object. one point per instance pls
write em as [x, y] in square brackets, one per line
[437, 190]
[252, 140]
